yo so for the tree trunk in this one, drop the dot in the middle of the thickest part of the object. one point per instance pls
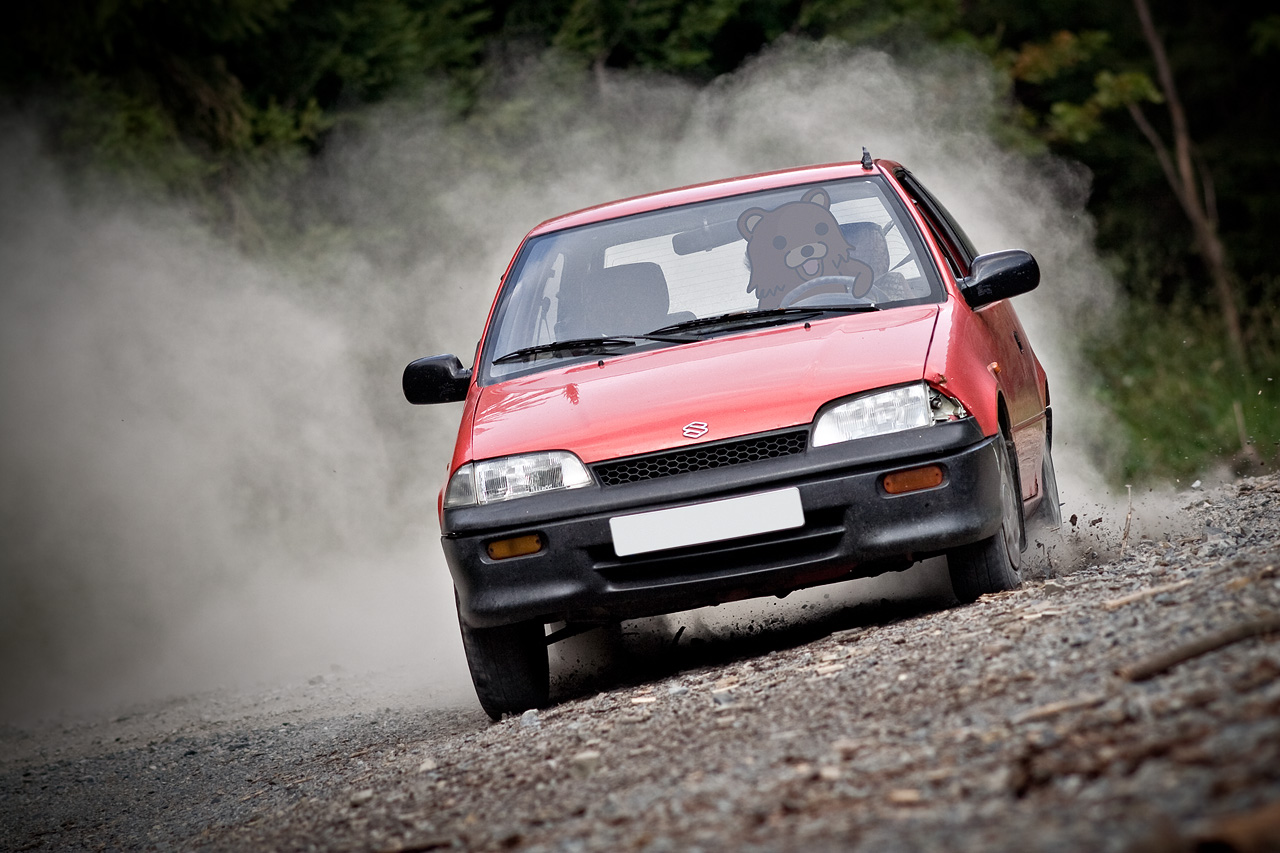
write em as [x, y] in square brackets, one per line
[1181, 173]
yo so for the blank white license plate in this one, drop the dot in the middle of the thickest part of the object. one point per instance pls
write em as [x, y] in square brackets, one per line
[708, 522]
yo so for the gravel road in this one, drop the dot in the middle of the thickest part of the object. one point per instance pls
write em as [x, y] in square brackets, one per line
[1126, 699]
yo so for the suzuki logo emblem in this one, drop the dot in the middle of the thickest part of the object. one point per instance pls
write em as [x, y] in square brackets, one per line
[697, 429]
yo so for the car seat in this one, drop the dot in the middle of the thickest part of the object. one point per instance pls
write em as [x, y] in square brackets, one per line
[631, 299]
[870, 247]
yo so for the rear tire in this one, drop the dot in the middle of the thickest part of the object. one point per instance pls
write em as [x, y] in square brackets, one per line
[508, 666]
[992, 565]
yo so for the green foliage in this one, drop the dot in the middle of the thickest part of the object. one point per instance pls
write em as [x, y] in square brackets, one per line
[1114, 90]
[225, 72]
[667, 35]
[1079, 123]
[358, 51]
[1041, 62]
[898, 24]
[1072, 90]
[594, 29]
[1164, 377]
[1076, 123]
[204, 99]
[703, 38]
[102, 126]
[1265, 33]
[690, 45]
[1066, 54]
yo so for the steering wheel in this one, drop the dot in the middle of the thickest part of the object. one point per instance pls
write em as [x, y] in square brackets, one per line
[822, 282]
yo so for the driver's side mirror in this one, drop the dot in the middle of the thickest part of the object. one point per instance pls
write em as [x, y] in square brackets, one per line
[436, 379]
[1000, 275]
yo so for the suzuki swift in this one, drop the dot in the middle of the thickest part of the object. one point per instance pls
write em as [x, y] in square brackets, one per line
[736, 389]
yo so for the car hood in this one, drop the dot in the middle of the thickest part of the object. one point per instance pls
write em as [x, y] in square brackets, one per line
[695, 393]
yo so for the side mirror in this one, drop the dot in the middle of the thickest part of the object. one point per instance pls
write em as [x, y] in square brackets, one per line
[1000, 275]
[436, 379]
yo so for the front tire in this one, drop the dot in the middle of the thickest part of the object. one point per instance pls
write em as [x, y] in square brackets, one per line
[992, 565]
[508, 666]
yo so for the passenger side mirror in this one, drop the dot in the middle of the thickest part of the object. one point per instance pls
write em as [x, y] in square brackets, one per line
[436, 379]
[1000, 275]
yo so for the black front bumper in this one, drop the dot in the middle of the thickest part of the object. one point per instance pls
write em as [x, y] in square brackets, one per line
[853, 528]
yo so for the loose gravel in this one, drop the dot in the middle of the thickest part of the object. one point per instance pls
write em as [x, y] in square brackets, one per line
[1127, 703]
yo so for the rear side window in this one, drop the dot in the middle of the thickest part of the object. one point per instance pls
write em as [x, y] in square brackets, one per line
[955, 244]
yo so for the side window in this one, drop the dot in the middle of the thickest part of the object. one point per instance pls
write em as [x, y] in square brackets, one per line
[955, 244]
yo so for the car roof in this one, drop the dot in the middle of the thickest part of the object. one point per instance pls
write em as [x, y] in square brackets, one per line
[712, 190]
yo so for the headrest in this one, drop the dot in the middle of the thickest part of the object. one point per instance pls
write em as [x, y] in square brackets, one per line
[868, 244]
[633, 295]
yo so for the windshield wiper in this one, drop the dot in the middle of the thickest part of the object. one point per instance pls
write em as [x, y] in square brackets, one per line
[762, 317]
[582, 346]
[673, 333]
[857, 308]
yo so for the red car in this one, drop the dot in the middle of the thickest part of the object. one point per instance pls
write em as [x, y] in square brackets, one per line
[736, 389]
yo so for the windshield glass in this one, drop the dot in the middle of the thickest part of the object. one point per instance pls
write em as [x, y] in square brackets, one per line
[596, 290]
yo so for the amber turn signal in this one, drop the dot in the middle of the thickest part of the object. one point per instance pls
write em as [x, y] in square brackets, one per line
[518, 547]
[913, 480]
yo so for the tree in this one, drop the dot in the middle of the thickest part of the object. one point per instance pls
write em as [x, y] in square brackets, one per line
[1191, 183]
[1182, 167]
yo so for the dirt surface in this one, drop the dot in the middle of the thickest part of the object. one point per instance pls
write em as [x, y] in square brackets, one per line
[1127, 703]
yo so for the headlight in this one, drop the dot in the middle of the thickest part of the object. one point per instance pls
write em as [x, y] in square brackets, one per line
[883, 412]
[515, 477]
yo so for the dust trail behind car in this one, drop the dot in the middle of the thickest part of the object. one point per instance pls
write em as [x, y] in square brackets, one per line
[209, 473]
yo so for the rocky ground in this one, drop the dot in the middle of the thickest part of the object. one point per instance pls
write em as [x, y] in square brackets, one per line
[1126, 702]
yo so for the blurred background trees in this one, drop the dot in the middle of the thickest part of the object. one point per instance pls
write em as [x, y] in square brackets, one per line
[1172, 109]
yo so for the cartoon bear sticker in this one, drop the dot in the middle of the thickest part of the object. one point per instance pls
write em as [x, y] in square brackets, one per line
[796, 243]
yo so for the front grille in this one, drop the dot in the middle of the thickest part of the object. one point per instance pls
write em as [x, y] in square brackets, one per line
[701, 457]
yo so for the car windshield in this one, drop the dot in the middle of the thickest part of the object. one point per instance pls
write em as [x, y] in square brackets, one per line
[687, 273]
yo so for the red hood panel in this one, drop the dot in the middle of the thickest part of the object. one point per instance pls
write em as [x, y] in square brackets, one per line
[735, 385]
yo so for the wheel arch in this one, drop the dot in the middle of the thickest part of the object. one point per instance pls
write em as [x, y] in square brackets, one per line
[1002, 415]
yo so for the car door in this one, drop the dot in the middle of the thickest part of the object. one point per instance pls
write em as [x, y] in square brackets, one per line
[1015, 367]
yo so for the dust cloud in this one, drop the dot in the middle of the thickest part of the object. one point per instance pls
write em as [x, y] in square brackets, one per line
[209, 474]
[196, 488]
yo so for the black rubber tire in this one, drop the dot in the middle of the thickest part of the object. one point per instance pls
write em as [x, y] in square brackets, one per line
[1048, 515]
[508, 666]
[992, 565]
